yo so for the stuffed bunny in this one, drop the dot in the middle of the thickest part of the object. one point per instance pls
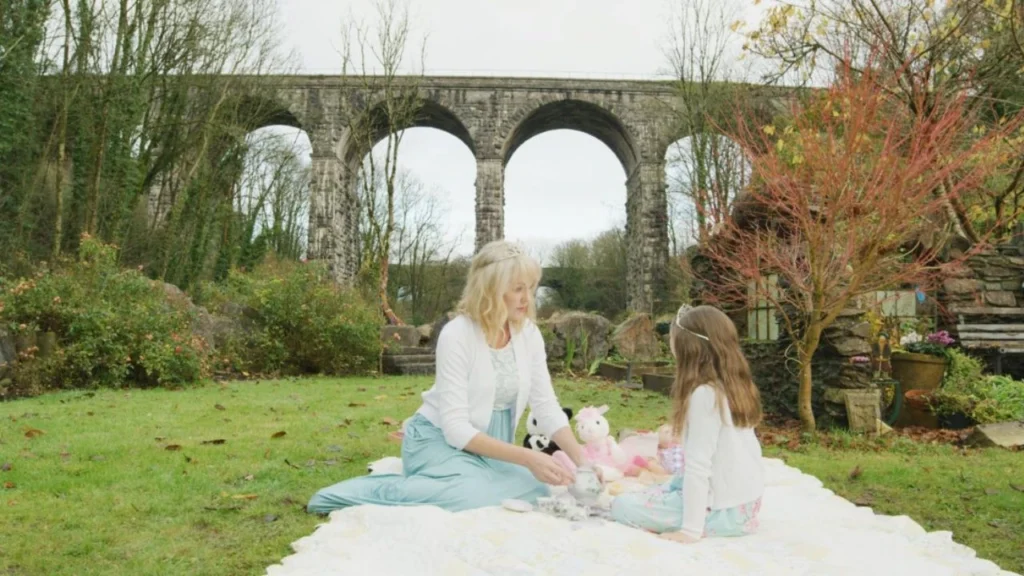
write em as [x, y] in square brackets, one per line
[600, 448]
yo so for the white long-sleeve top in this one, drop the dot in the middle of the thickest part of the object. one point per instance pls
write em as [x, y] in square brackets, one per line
[462, 397]
[723, 463]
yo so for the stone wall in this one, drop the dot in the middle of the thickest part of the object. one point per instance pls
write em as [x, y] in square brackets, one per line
[991, 279]
[776, 371]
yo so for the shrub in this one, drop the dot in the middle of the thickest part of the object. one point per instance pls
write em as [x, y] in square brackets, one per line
[303, 321]
[114, 327]
[983, 398]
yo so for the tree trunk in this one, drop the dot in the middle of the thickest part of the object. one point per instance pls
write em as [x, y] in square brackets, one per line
[809, 344]
[382, 293]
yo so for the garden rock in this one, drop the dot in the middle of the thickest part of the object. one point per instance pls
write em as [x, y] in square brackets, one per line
[636, 338]
[425, 332]
[435, 329]
[587, 333]
[852, 346]
[1003, 434]
[176, 297]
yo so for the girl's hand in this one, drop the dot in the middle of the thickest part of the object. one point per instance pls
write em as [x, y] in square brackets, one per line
[680, 537]
[547, 470]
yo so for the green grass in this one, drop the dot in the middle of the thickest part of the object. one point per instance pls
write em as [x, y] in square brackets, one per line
[98, 492]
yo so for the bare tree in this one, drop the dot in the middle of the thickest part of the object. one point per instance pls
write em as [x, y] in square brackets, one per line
[706, 168]
[381, 106]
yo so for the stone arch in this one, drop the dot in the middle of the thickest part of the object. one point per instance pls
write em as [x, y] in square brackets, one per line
[579, 115]
[254, 112]
[431, 114]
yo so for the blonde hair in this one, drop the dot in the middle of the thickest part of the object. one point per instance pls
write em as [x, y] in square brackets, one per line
[492, 273]
[707, 350]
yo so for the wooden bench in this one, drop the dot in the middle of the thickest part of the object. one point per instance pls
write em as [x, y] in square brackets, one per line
[1000, 338]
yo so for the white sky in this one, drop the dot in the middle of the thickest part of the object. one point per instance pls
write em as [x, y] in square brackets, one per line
[560, 185]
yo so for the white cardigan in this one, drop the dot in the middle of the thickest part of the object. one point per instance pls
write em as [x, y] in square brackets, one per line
[722, 462]
[462, 398]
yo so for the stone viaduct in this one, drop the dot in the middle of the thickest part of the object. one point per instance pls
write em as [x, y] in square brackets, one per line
[637, 120]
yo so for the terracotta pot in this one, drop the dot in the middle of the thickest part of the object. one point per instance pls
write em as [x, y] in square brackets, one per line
[919, 371]
[917, 410]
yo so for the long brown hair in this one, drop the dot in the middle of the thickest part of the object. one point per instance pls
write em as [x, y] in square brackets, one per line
[707, 351]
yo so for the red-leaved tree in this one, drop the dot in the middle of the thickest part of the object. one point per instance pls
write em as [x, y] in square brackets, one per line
[844, 201]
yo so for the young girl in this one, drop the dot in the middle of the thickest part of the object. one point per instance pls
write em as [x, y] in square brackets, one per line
[716, 491]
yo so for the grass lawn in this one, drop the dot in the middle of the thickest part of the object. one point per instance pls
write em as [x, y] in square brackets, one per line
[213, 480]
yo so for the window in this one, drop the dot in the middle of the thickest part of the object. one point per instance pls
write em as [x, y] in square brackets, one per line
[762, 324]
[900, 304]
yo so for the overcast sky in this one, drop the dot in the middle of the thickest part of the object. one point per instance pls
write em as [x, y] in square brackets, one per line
[560, 185]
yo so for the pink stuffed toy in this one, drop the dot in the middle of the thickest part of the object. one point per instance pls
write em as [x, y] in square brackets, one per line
[600, 448]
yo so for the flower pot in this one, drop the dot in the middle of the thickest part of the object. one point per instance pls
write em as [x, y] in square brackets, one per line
[917, 410]
[919, 371]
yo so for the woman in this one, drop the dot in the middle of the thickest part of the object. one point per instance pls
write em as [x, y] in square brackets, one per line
[458, 450]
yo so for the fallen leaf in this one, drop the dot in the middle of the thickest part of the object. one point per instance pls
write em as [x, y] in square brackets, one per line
[8, 485]
[361, 389]
[33, 432]
[270, 518]
[356, 405]
[172, 447]
[995, 524]
[248, 477]
[245, 496]
[855, 473]
[1017, 487]
[347, 422]
[221, 508]
[160, 438]
[388, 421]
[217, 441]
[219, 407]
[280, 434]
[864, 501]
[6, 467]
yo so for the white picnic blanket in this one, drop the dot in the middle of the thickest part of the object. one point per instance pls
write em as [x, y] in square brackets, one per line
[805, 530]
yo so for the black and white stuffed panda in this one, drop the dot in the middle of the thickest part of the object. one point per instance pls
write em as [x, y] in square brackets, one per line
[535, 440]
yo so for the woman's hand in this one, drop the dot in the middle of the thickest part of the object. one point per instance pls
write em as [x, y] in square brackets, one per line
[680, 537]
[547, 470]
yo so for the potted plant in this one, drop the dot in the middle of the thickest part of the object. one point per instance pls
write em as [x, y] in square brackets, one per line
[920, 363]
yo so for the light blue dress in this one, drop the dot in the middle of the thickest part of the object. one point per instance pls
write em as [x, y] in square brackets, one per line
[659, 509]
[437, 474]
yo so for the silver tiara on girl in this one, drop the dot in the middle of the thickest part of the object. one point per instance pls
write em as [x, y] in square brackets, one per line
[679, 322]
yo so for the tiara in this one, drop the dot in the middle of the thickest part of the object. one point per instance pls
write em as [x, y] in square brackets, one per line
[678, 322]
[511, 251]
